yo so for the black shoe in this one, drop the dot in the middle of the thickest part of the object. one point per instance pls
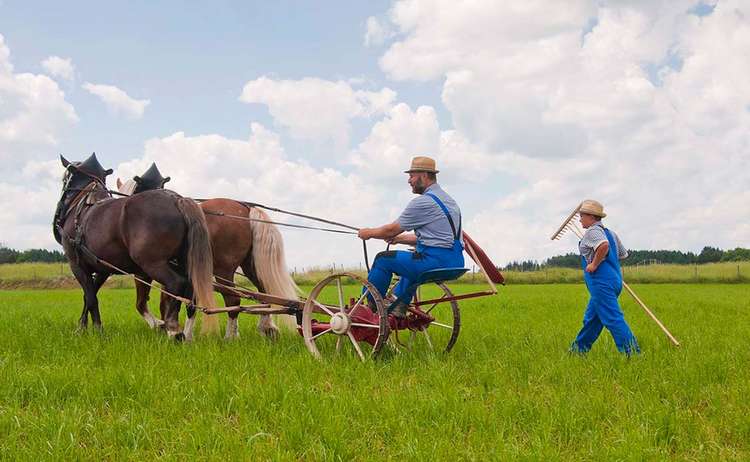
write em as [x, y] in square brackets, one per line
[398, 309]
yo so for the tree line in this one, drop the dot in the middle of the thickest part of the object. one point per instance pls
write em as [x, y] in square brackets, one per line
[636, 257]
[8, 255]
[570, 260]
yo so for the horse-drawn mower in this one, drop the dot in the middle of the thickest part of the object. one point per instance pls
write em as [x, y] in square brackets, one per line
[342, 311]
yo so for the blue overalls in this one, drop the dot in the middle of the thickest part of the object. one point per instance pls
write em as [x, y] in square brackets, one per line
[409, 265]
[605, 285]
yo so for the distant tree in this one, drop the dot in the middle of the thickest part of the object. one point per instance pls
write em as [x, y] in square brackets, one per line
[40, 255]
[528, 265]
[738, 254]
[7, 255]
[710, 255]
[569, 260]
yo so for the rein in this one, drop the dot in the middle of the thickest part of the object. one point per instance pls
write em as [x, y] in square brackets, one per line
[291, 225]
[353, 229]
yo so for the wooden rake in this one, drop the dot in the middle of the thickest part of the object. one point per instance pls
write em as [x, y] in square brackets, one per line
[570, 225]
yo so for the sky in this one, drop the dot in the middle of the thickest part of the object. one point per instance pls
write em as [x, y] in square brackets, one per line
[318, 107]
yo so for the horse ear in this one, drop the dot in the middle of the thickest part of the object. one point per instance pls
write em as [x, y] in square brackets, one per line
[119, 184]
[108, 172]
[165, 180]
[65, 162]
[138, 179]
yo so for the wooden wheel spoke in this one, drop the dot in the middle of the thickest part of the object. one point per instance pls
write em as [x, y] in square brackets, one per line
[358, 304]
[444, 326]
[429, 341]
[341, 294]
[321, 333]
[356, 346]
[435, 304]
[339, 342]
[323, 307]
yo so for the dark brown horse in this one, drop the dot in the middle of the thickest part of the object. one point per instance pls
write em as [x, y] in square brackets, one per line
[237, 242]
[157, 235]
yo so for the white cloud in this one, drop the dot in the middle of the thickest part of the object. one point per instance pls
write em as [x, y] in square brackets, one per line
[316, 109]
[393, 141]
[646, 110]
[377, 32]
[258, 170]
[34, 116]
[33, 112]
[117, 100]
[59, 67]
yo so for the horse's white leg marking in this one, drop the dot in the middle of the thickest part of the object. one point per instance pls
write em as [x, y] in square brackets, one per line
[189, 324]
[267, 327]
[233, 328]
[151, 320]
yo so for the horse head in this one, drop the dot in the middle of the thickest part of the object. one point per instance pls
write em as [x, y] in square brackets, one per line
[151, 179]
[77, 178]
[80, 174]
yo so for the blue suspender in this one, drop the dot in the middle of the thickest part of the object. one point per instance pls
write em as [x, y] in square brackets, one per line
[456, 235]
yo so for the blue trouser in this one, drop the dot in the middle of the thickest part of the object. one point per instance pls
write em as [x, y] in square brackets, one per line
[603, 310]
[410, 265]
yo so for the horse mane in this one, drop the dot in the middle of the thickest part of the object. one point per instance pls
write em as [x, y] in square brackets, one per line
[128, 187]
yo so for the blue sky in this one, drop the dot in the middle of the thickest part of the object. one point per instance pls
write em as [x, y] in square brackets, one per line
[192, 60]
[319, 106]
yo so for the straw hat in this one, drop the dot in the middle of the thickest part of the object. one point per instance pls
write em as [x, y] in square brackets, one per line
[422, 164]
[592, 207]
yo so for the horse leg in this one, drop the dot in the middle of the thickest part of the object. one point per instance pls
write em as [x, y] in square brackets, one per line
[174, 283]
[164, 305]
[99, 280]
[90, 285]
[87, 284]
[266, 325]
[190, 321]
[143, 290]
[230, 299]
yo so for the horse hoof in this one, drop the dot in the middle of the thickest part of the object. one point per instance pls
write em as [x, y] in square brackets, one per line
[180, 337]
[272, 334]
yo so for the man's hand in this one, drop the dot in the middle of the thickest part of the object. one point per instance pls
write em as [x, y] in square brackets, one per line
[403, 238]
[590, 268]
[364, 233]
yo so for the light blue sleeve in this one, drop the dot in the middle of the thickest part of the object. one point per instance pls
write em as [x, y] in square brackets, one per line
[622, 252]
[592, 238]
[418, 213]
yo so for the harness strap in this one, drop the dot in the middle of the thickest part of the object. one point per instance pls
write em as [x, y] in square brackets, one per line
[448, 215]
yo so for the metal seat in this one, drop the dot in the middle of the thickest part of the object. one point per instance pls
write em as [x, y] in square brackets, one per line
[440, 275]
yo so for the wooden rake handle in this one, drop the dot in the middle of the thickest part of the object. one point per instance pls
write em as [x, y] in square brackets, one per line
[648, 312]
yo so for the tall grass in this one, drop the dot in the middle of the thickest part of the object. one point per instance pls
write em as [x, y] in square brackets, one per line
[58, 275]
[509, 389]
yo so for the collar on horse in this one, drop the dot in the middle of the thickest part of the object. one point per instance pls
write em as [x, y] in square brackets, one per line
[79, 204]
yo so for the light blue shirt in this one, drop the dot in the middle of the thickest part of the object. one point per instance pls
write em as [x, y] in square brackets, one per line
[594, 237]
[425, 217]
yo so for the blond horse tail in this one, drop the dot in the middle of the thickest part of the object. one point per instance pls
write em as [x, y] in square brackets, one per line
[270, 264]
[199, 260]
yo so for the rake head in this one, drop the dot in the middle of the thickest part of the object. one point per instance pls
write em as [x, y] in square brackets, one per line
[569, 225]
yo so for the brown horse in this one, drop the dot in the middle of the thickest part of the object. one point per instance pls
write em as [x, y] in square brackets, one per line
[237, 242]
[158, 235]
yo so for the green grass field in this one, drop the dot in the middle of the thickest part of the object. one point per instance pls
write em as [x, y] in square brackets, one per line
[508, 390]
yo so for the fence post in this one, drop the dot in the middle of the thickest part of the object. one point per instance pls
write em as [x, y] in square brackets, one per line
[738, 272]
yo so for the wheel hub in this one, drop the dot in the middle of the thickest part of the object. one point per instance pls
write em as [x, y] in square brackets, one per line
[340, 323]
